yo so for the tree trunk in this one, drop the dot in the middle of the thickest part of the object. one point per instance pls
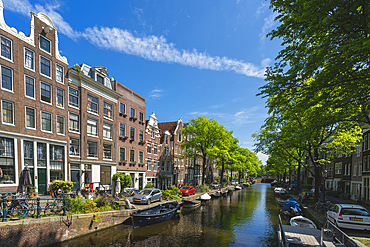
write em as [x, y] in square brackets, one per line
[299, 176]
[222, 172]
[204, 169]
[317, 175]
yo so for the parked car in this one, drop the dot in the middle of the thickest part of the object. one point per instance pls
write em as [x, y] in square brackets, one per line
[306, 196]
[147, 196]
[187, 190]
[215, 185]
[349, 216]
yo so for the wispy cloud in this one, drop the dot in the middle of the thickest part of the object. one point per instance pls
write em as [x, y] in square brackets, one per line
[195, 113]
[269, 23]
[216, 106]
[156, 94]
[235, 100]
[152, 47]
[261, 9]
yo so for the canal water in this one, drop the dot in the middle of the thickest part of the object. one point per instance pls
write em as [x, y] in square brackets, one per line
[244, 218]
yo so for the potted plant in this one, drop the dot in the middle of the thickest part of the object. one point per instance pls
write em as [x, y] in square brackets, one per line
[32, 191]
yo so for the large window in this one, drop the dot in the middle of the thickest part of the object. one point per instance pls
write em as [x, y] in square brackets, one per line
[45, 66]
[100, 79]
[92, 127]
[45, 121]
[149, 165]
[7, 168]
[122, 154]
[74, 146]
[92, 149]
[6, 48]
[59, 74]
[141, 157]
[28, 153]
[8, 112]
[30, 118]
[132, 133]
[108, 110]
[132, 155]
[60, 125]
[105, 175]
[30, 87]
[107, 151]
[56, 162]
[60, 97]
[45, 92]
[92, 104]
[132, 112]
[6, 79]
[41, 154]
[149, 149]
[122, 107]
[73, 97]
[122, 130]
[141, 135]
[74, 122]
[141, 116]
[29, 59]
[155, 149]
[107, 131]
[45, 44]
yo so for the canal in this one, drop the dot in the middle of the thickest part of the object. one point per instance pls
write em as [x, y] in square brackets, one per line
[243, 218]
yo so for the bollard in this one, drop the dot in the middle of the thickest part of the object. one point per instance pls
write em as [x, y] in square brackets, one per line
[38, 208]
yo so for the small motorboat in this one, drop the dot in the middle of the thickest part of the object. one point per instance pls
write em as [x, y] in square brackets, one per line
[280, 201]
[291, 208]
[155, 214]
[229, 190]
[246, 184]
[190, 204]
[216, 195]
[280, 191]
[204, 198]
[238, 187]
[223, 192]
[302, 222]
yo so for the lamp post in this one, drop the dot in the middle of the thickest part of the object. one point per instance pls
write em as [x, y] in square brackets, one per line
[324, 175]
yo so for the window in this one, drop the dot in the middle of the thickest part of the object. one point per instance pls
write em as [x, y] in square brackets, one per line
[56, 162]
[74, 146]
[122, 154]
[141, 157]
[153, 133]
[73, 97]
[365, 143]
[141, 116]
[6, 79]
[108, 110]
[149, 165]
[92, 104]
[358, 149]
[176, 147]
[8, 112]
[132, 133]
[28, 153]
[141, 135]
[6, 48]
[155, 168]
[60, 125]
[166, 139]
[60, 97]
[30, 118]
[92, 127]
[59, 73]
[45, 121]
[355, 170]
[44, 44]
[105, 175]
[30, 87]
[338, 168]
[29, 61]
[122, 130]
[122, 107]
[100, 79]
[149, 148]
[45, 92]
[155, 149]
[107, 131]
[92, 149]
[41, 154]
[7, 161]
[132, 112]
[107, 151]
[179, 137]
[45, 66]
[74, 122]
[132, 155]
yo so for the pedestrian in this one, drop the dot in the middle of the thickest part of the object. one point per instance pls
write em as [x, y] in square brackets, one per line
[313, 189]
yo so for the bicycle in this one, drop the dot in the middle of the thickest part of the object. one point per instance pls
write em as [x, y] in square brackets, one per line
[18, 207]
[57, 206]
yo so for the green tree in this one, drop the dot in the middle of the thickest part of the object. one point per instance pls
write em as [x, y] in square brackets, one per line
[125, 179]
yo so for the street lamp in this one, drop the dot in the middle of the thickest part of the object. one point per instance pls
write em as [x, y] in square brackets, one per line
[324, 175]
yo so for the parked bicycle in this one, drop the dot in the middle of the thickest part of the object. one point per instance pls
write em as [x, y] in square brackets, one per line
[322, 207]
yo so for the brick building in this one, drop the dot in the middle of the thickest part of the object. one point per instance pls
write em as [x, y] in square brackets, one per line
[153, 151]
[33, 105]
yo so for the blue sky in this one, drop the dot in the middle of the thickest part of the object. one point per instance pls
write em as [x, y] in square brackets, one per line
[187, 58]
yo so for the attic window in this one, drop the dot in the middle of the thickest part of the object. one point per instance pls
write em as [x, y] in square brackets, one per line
[100, 79]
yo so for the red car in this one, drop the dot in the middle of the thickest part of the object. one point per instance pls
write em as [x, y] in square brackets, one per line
[187, 190]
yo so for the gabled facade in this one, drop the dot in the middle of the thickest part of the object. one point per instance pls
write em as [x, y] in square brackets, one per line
[153, 151]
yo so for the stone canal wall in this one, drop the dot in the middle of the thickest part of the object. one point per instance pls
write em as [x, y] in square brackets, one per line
[49, 230]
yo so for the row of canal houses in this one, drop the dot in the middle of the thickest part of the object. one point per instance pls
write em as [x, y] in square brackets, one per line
[78, 123]
[348, 174]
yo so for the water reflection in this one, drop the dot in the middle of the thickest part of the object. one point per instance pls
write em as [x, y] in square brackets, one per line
[243, 218]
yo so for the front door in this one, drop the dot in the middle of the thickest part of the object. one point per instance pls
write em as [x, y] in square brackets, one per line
[41, 179]
[75, 178]
[140, 183]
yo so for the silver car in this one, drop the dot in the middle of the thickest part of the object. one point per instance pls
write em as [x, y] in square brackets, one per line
[349, 216]
[147, 196]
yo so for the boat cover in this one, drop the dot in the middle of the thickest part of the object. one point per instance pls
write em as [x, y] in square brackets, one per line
[291, 204]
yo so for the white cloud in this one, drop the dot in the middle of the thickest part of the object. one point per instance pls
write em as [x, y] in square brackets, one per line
[152, 48]
[235, 100]
[263, 158]
[156, 94]
[269, 22]
[198, 113]
[216, 106]
[261, 9]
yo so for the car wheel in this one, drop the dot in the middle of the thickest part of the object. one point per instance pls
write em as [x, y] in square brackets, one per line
[160, 199]
[148, 201]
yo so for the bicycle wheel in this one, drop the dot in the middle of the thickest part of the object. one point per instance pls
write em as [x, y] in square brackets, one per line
[32, 209]
[20, 210]
[52, 209]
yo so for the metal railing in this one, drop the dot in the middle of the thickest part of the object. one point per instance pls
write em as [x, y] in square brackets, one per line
[339, 235]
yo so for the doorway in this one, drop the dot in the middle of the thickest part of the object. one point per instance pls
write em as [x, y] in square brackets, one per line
[41, 180]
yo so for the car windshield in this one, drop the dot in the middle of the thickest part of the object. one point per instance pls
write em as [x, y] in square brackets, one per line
[355, 211]
[185, 188]
[145, 192]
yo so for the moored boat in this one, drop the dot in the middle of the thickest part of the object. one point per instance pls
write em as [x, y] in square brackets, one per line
[302, 222]
[238, 187]
[190, 204]
[204, 198]
[291, 208]
[216, 195]
[155, 214]
[280, 191]
[280, 201]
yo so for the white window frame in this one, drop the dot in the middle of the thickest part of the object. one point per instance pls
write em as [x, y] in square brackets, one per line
[56, 73]
[56, 98]
[97, 150]
[78, 98]
[111, 151]
[34, 87]
[51, 94]
[120, 103]
[25, 117]
[124, 134]
[132, 139]
[110, 129]
[97, 104]
[50, 68]
[1, 78]
[49, 45]
[51, 122]
[149, 148]
[131, 108]
[133, 155]
[149, 169]
[33, 59]
[155, 149]
[141, 114]
[79, 122]
[11, 49]
[107, 117]
[79, 147]
[141, 133]
[124, 151]
[2, 111]
[64, 125]
[97, 127]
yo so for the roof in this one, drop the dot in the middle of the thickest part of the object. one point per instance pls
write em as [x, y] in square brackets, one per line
[170, 126]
